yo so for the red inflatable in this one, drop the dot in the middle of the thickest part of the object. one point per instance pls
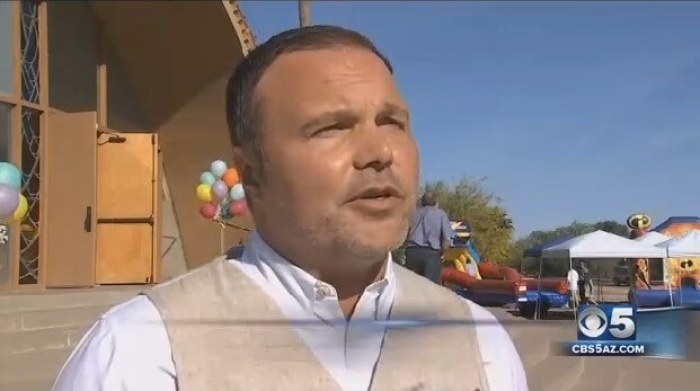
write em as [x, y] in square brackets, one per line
[454, 276]
[551, 284]
[497, 278]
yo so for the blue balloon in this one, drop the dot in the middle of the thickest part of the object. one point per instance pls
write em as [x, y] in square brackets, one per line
[10, 175]
[237, 193]
[207, 178]
[218, 168]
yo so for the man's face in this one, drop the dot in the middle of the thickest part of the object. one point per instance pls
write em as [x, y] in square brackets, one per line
[341, 163]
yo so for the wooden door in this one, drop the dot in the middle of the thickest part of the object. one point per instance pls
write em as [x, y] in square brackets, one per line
[127, 208]
[69, 176]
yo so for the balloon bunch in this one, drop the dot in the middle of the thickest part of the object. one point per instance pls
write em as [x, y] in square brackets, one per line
[221, 190]
[13, 205]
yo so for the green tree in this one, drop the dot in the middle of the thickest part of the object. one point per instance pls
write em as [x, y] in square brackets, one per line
[492, 229]
[612, 227]
[557, 267]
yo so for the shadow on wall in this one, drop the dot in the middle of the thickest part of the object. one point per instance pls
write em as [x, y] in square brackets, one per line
[173, 256]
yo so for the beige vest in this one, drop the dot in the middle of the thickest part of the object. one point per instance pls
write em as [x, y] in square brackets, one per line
[226, 335]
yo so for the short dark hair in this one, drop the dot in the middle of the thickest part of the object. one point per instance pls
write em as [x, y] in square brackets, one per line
[429, 199]
[242, 109]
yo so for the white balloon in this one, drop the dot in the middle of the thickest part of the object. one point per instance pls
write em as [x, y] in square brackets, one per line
[237, 192]
[218, 168]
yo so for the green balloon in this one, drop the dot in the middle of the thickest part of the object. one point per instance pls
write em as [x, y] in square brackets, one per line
[10, 175]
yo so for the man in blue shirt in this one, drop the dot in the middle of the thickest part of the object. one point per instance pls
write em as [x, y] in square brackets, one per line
[428, 236]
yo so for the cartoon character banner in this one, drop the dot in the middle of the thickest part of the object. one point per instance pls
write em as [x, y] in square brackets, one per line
[683, 272]
[683, 263]
[639, 225]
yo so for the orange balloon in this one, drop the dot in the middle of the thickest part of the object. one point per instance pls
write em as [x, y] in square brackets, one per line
[231, 177]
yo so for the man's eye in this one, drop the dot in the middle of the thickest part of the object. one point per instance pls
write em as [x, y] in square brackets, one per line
[329, 129]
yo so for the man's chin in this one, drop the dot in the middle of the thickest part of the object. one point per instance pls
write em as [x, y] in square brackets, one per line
[370, 250]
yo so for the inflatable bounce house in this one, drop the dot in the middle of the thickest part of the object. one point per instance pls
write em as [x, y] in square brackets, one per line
[678, 226]
[681, 269]
[487, 283]
[463, 256]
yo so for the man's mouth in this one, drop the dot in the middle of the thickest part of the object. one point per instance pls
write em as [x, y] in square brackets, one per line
[377, 193]
[377, 201]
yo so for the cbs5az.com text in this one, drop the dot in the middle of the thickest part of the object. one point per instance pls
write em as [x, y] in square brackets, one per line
[601, 348]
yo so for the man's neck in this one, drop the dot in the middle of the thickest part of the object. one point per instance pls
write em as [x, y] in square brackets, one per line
[345, 274]
[352, 282]
[351, 287]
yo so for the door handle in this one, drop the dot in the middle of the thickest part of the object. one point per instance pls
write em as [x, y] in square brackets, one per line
[87, 224]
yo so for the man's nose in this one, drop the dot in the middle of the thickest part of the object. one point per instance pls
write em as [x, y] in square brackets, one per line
[373, 148]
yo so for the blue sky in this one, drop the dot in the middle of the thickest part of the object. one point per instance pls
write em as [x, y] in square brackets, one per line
[573, 111]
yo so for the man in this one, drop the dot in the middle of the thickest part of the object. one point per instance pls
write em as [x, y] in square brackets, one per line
[641, 274]
[583, 281]
[428, 237]
[573, 280]
[330, 169]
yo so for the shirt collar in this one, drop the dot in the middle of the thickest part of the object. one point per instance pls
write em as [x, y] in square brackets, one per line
[307, 290]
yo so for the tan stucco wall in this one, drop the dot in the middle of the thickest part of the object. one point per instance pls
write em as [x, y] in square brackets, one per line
[73, 58]
[191, 140]
[171, 249]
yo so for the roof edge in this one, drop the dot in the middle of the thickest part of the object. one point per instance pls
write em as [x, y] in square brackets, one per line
[245, 34]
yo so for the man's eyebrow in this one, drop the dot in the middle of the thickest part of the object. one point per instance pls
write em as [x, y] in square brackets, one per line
[329, 117]
[350, 116]
[391, 109]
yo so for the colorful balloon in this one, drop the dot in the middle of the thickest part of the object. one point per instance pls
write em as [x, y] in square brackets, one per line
[207, 178]
[208, 210]
[237, 192]
[21, 211]
[231, 177]
[219, 190]
[239, 207]
[218, 168]
[9, 200]
[204, 193]
[10, 175]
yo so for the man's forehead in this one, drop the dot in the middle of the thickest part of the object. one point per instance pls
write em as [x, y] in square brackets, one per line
[326, 59]
[333, 78]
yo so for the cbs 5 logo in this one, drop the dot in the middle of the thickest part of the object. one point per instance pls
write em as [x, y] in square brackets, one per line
[594, 322]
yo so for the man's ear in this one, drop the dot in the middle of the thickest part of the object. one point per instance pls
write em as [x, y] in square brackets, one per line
[250, 170]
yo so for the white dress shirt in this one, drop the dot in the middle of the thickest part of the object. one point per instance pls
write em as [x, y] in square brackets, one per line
[572, 278]
[128, 348]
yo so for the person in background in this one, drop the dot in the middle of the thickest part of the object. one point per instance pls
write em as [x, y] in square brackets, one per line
[573, 280]
[641, 274]
[429, 235]
[583, 281]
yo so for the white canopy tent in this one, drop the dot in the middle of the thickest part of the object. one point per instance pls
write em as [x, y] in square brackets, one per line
[652, 238]
[687, 245]
[602, 245]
